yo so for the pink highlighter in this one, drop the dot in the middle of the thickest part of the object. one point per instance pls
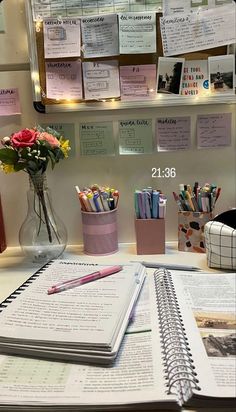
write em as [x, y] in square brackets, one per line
[69, 284]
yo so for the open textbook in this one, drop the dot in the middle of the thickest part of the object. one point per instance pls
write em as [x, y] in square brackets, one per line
[86, 323]
[178, 350]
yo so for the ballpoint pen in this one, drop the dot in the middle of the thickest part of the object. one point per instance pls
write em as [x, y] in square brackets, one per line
[170, 266]
[69, 284]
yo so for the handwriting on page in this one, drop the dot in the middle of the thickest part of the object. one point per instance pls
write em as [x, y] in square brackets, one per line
[97, 139]
[9, 102]
[198, 31]
[135, 136]
[173, 133]
[100, 36]
[214, 130]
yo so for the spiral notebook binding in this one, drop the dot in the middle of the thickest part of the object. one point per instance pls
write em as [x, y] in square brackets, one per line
[178, 364]
[22, 287]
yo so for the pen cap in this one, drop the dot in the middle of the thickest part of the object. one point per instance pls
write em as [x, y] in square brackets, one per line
[100, 235]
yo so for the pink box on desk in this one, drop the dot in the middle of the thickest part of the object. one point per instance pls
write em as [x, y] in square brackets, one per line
[150, 236]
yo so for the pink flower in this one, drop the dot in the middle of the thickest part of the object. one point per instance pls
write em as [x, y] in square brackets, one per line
[52, 140]
[24, 138]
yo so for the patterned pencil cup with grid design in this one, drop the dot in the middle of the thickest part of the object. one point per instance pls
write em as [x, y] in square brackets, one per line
[100, 234]
[191, 231]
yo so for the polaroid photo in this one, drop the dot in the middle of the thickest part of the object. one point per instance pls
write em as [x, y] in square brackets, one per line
[222, 74]
[169, 75]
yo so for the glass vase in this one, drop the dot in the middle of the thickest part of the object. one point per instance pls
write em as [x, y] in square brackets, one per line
[43, 235]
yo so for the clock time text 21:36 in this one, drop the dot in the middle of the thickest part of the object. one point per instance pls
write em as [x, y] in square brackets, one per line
[167, 172]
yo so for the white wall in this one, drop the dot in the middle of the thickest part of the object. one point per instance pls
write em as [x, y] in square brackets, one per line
[123, 172]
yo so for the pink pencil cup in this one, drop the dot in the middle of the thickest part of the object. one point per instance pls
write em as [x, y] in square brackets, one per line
[100, 232]
[150, 236]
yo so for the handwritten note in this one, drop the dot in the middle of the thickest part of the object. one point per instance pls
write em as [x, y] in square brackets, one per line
[97, 139]
[138, 82]
[101, 79]
[195, 78]
[214, 130]
[100, 36]
[67, 130]
[135, 136]
[198, 31]
[137, 33]
[61, 37]
[173, 133]
[9, 102]
[64, 80]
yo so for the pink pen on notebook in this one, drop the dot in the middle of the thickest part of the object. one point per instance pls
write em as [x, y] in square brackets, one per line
[69, 284]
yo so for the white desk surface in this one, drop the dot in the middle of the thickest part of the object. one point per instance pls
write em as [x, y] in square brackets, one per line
[15, 268]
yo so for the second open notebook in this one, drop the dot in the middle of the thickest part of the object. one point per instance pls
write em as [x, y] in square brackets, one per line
[86, 323]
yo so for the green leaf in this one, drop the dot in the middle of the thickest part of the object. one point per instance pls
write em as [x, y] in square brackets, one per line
[8, 156]
[19, 166]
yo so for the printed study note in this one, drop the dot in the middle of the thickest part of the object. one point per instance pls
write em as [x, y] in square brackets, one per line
[61, 37]
[100, 36]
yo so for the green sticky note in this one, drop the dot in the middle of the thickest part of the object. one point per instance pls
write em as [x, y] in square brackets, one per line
[97, 139]
[2, 19]
[135, 136]
[66, 130]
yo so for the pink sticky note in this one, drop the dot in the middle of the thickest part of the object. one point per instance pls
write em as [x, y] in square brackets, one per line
[9, 102]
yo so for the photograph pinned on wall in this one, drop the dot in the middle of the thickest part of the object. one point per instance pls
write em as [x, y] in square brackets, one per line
[169, 75]
[222, 74]
[231, 49]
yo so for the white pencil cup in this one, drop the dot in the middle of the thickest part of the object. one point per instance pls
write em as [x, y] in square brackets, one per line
[100, 232]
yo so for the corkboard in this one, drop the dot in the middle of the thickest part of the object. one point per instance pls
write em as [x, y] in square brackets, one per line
[123, 60]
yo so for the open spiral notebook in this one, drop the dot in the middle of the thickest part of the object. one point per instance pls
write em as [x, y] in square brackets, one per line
[178, 350]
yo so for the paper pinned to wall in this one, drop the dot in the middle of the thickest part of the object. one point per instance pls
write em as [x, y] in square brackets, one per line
[195, 80]
[100, 36]
[185, 6]
[214, 130]
[198, 31]
[101, 79]
[137, 33]
[138, 82]
[47, 8]
[9, 102]
[61, 37]
[173, 133]
[135, 136]
[96, 139]
[64, 79]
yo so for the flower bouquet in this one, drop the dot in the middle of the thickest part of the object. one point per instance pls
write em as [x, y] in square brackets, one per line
[31, 150]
